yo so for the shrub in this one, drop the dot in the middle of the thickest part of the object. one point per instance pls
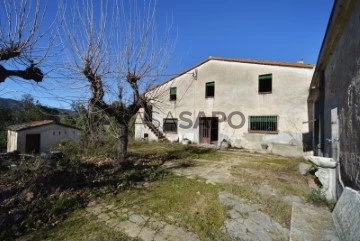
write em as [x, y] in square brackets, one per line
[64, 204]
[316, 197]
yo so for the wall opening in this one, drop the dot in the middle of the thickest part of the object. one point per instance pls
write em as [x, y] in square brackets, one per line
[265, 84]
[210, 89]
[208, 130]
[32, 144]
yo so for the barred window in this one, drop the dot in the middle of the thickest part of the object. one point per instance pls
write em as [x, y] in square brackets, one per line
[263, 124]
[170, 125]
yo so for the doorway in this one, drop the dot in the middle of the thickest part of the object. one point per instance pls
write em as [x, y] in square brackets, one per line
[208, 130]
[32, 144]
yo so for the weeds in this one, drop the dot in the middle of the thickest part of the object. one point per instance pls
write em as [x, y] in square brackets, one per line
[64, 204]
[315, 196]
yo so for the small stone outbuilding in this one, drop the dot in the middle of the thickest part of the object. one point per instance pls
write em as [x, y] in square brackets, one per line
[39, 136]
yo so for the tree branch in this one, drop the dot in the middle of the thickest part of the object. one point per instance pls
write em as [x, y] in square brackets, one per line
[30, 73]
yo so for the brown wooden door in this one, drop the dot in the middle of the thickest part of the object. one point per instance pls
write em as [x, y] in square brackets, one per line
[205, 130]
[32, 143]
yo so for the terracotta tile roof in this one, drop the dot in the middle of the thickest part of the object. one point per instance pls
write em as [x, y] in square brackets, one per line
[263, 62]
[239, 60]
[33, 124]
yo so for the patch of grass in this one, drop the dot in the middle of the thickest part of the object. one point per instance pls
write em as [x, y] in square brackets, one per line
[273, 163]
[189, 202]
[64, 204]
[280, 174]
[123, 218]
[275, 207]
[172, 151]
[78, 227]
[316, 197]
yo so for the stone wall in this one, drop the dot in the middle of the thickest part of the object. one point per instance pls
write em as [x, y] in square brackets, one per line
[342, 90]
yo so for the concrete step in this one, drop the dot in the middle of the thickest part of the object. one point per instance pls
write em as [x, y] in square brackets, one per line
[309, 223]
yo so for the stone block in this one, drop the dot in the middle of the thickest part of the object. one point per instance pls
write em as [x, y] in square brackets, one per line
[346, 215]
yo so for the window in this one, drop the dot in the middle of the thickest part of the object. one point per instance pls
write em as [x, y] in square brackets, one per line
[173, 93]
[170, 125]
[210, 89]
[265, 83]
[263, 124]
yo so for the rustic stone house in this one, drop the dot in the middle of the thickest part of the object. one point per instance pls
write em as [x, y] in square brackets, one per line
[39, 136]
[335, 93]
[334, 102]
[249, 103]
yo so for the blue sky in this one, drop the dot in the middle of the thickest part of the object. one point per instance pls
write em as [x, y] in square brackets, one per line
[282, 30]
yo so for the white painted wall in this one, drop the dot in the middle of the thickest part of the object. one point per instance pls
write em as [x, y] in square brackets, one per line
[49, 136]
[236, 89]
[11, 141]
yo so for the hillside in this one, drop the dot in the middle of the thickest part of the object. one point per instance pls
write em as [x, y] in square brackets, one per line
[7, 103]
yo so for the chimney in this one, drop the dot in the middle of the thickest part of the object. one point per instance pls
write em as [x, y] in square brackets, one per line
[301, 61]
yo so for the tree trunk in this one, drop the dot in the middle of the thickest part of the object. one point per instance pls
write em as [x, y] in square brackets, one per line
[123, 142]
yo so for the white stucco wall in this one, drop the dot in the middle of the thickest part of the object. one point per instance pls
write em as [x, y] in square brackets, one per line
[11, 141]
[49, 135]
[236, 89]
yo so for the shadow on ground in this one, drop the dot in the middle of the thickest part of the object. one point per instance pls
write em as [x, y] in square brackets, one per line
[35, 194]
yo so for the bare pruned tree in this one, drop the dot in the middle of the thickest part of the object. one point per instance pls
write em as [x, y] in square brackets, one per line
[120, 53]
[24, 40]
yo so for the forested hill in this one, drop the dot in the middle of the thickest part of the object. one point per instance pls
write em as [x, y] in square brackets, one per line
[6, 103]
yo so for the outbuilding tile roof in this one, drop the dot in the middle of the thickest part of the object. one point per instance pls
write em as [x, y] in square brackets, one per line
[33, 124]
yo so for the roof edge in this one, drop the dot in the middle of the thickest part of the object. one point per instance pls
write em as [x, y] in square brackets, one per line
[237, 60]
[339, 17]
[12, 127]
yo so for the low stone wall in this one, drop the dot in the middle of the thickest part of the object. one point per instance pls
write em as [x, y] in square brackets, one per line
[346, 215]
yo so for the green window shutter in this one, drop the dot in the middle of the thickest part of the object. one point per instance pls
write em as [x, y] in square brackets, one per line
[210, 84]
[272, 119]
[265, 77]
[173, 91]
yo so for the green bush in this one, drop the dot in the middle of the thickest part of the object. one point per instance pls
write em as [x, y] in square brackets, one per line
[64, 204]
[316, 197]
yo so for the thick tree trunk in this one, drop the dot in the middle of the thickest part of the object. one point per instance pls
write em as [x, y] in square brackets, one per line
[123, 142]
